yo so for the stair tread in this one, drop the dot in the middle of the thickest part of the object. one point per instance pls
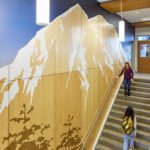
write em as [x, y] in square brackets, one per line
[138, 123]
[138, 116]
[132, 102]
[103, 147]
[136, 97]
[141, 83]
[111, 141]
[136, 109]
[121, 135]
[133, 86]
[137, 92]
[142, 80]
[119, 126]
[111, 138]
[114, 142]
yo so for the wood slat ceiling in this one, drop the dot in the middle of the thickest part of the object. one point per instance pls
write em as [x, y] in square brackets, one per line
[127, 5]
[141, 24]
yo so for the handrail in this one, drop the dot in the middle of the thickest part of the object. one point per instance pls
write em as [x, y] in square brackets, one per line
[90, 130]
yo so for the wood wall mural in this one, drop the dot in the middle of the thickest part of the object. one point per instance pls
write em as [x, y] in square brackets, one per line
[52, 91]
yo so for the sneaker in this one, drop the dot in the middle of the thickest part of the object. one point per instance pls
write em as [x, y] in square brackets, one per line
[128, 93]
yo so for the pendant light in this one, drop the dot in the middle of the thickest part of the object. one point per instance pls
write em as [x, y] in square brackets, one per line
[42, 12]
[121, 26]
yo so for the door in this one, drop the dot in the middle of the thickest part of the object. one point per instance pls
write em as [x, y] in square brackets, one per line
[144, 56]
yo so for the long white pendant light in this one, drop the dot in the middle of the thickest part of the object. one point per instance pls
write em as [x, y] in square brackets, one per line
[121, 31]
[121, 27]
[42, 12]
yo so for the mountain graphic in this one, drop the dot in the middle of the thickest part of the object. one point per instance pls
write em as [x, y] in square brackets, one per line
[71, 47]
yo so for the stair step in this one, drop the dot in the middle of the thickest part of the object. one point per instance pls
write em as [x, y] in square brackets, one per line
[103, 147]
[112, 136]
[140, 84]
[142, 80]
[109, 142]
[112, 124]
[119, 137]
[133, 104]
[117, 127]
[140, 89]
[138, 111]
[139, 94]
[140, 119]
[140, 126]
[133, 98]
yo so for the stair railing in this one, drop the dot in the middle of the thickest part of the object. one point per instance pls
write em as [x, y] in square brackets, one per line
[97, 116]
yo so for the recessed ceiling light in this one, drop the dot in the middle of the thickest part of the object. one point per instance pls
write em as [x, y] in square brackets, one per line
[137, 12]
[145, 19]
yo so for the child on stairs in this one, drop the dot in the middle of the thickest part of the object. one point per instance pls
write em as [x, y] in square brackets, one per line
[128, 78]
[129, 128]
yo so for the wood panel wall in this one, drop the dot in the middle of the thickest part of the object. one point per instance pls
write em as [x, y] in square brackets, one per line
[58, 82]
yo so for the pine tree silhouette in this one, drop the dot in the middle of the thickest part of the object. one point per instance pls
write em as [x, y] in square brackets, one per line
[26, 139]
[70, 140]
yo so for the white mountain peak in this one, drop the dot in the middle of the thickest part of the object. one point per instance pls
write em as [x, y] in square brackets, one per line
[31, 60]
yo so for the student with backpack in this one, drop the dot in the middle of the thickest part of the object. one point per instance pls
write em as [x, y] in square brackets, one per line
[129, 128]
[128, 78]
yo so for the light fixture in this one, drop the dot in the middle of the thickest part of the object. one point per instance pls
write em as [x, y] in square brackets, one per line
[102, 1]
[121, 30]
[42, 12]
[145, 19]
[121, 26]
[137, 12]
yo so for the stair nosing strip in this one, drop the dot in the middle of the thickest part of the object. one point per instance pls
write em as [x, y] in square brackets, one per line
[119, 127]
[136, 109]
[108, 140]
[127, 101]
[147, 118]
[141, 83]
[119, 134]
[119, 119]
[133, 86]
[121, 90]
[137, 97]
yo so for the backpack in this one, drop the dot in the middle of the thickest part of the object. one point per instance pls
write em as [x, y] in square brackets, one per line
[127, 125]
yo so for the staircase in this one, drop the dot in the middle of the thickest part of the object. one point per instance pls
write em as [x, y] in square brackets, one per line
[112, 136]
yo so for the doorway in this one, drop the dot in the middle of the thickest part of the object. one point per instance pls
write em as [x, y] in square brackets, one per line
[144, 56]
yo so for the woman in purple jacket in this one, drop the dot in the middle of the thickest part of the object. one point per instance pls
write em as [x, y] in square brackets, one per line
[128, 78]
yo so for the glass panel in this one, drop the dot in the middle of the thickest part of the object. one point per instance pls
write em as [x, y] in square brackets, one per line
[143, 37]
[145, 50]
[128, 51]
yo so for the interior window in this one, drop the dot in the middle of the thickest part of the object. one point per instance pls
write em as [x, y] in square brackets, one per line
[143, 37]
[145, 50]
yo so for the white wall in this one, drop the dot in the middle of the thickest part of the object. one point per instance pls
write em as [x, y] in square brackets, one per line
[138, 31]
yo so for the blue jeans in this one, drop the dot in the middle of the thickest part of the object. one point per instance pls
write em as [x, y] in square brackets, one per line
[126, 141]
[127, 86]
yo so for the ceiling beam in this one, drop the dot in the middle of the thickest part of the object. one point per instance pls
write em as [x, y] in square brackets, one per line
[114, 6]
[141, 24]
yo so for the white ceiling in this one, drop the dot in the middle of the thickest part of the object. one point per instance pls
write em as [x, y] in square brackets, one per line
[140, 15]
[134, 16]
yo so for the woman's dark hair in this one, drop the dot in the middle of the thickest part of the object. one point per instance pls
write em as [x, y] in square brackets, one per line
[129, 113]
[127, 63]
